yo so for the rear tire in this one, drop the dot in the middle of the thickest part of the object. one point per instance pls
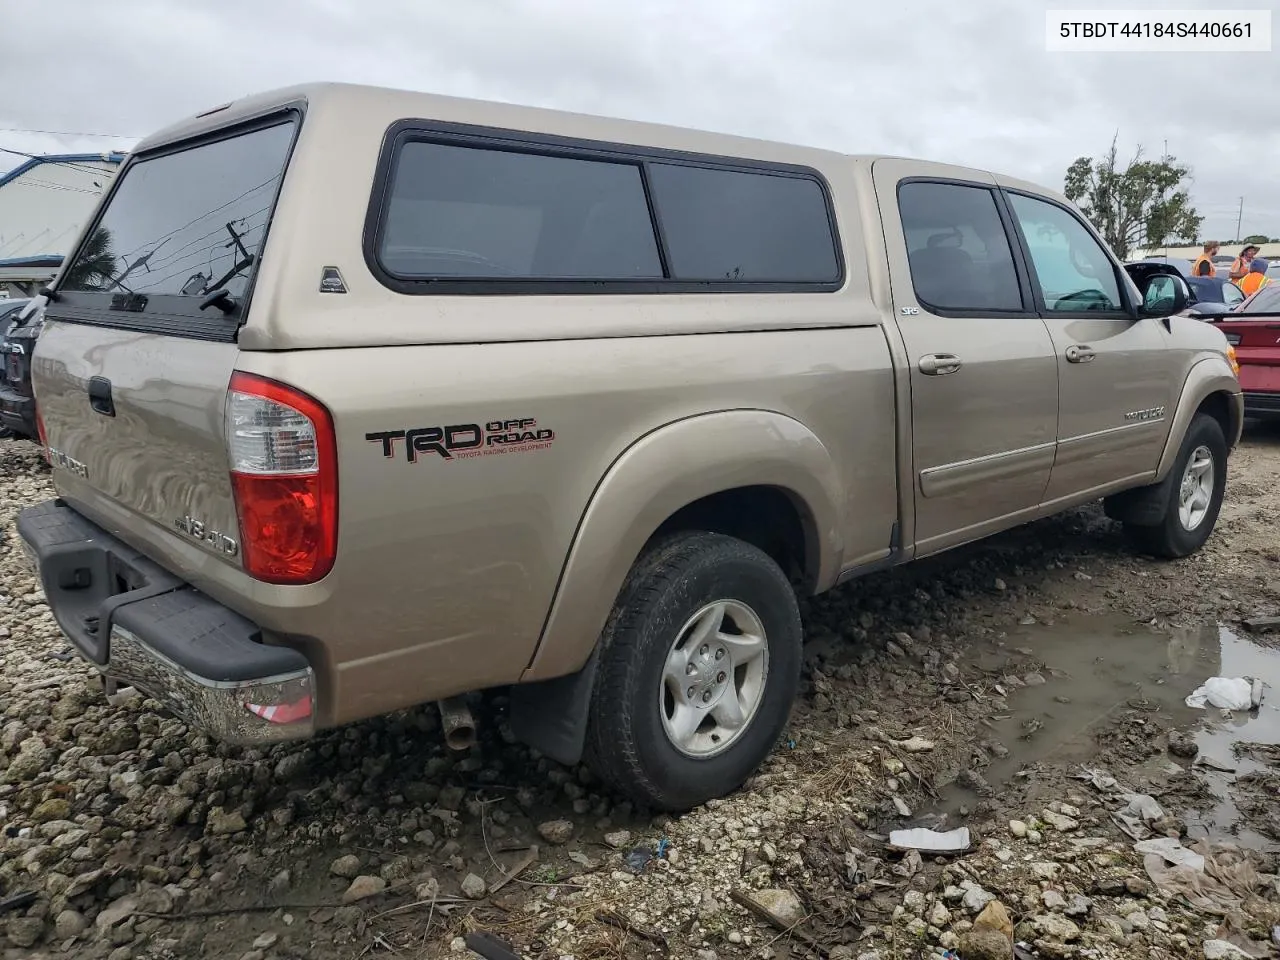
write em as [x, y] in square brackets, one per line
[705, 613]
[1195, 489]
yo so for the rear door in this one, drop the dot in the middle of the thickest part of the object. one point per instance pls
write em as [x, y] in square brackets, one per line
[1257, 343]
[132, 368]
[1116, 383]
[984, 382]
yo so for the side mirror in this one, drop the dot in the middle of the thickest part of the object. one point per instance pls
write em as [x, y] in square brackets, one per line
[1165, 295]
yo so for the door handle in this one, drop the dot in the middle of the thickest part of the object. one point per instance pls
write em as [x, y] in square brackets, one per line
[939, 364]
[1080, 353]
[100, 396]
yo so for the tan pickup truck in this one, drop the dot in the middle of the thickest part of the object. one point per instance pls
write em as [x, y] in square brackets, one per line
[358, 399]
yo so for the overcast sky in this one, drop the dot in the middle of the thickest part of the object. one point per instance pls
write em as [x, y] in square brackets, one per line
[968, 82]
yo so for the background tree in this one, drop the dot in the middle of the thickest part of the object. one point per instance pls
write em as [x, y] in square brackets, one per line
[1257, 238]
[96, 264]
[1143, 203]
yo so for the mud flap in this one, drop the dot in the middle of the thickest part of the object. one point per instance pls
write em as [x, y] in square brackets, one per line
[1143, 507]
[551, 715]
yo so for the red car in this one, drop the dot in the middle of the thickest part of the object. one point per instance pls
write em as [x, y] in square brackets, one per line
[1257, 342]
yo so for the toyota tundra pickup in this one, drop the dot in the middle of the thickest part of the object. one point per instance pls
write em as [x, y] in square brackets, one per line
[359, 399]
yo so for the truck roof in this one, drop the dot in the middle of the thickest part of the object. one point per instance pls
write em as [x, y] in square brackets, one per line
[389, 104]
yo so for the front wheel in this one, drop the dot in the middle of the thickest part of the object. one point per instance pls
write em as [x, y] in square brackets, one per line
[700, 662]
[1196, 487]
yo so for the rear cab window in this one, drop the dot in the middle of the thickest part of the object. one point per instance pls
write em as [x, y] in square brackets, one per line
[478, 214]
[179, 226]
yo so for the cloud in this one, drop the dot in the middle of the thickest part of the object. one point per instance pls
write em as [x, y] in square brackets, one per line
[969, 83]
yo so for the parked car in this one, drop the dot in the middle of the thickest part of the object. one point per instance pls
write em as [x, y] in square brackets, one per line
[17, 404]
[1256, 337]
[478, 421]
[1205, 295]
[10, 310]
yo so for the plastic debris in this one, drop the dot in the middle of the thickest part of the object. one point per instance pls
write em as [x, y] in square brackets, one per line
[930, 841]
[1172, 851]
[638, 858]
[1227, 693]
[1143, 807]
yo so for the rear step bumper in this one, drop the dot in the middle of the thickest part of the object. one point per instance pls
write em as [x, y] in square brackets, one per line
[1262, 404]
[141, 626]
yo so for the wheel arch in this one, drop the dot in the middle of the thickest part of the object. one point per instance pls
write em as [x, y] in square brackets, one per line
[713, 470]
[1211, 387]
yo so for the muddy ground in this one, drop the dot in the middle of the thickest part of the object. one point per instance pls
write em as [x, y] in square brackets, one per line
[1024, 688]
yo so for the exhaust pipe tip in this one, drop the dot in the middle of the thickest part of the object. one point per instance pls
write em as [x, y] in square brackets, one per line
[459, 726]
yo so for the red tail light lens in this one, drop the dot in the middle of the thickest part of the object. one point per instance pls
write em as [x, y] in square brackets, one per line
[284, 471]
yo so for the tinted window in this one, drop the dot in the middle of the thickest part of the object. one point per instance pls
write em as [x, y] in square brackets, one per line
[462, 212]
[728, 225]
[186, 222]
[1266, 300]
[1231, 294]
[957, 247]
[1074, 270]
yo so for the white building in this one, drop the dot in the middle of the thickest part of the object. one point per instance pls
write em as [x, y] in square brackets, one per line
[43, 204]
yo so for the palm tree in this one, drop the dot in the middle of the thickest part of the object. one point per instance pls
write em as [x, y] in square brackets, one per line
[96, 263]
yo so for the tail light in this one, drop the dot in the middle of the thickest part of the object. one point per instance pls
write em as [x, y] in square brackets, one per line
[284, 471]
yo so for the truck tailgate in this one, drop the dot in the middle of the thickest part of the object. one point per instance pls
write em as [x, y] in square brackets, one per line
[134, 421]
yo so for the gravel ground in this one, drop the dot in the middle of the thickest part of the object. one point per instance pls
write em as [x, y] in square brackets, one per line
[135, 837]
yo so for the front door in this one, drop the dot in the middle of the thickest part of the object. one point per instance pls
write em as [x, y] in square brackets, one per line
[1116, 389]
[984, 381]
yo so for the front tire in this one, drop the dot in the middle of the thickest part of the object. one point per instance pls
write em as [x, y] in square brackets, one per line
[700, 663]
[1196, 487]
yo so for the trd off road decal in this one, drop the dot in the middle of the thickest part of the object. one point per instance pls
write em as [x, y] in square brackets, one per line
[461, 441]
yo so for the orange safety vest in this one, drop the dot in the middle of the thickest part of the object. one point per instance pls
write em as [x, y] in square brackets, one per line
[1203, 258]
[1253, 282]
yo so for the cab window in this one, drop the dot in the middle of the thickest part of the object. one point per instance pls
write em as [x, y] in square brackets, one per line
[1074, 271]
[957, 248]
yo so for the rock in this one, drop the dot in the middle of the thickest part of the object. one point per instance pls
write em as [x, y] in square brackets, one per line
[1018, 829]
[1223, 950]
[347, 867]
[1183, 744]
[1045, 870]
[995, 917]
[280, 882]
[1001, 585]
[1137, 887]
[783, 905]
[1140, 920]
[1053, 901]
[33, 756]
[939, 916]
[1060, 822]
[69, 924]
[24, 931]
[220, 823]
[916, 745]
[1054, 927]
[914, 902]
[985, 944]
[917, 928]
[428, 890]
[618, 839]
[364, 887]
[266, 941]
[50, 810]
[976, 899]
[473, 888]
[556, 831]
[1079, 906]
[116, 913]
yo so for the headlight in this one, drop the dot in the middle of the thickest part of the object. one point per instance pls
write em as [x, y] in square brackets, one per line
[1231, 359]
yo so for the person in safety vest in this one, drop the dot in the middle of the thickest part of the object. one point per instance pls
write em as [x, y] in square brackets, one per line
[1240, 266]
[1203, 267]
[1256, 278]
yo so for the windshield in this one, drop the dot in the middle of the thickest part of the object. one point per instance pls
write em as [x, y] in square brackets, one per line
[186, 223]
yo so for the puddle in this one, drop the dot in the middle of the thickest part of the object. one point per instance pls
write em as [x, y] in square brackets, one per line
[1097, 668]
